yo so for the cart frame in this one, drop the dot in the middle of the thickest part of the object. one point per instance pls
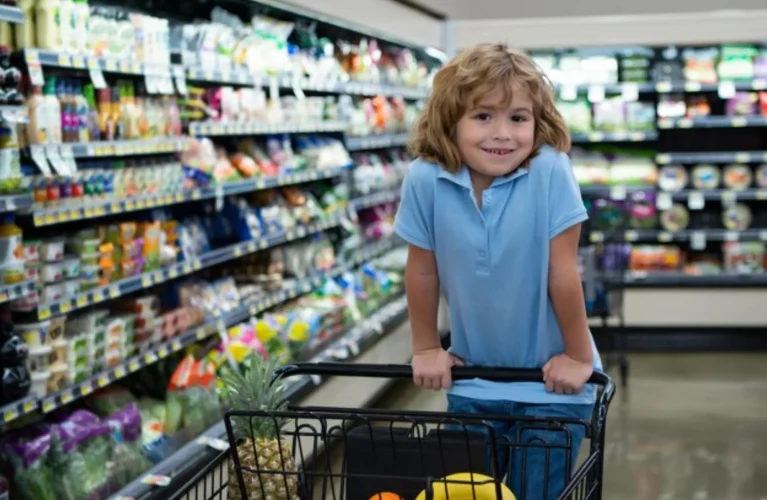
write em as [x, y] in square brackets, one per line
[418, 444]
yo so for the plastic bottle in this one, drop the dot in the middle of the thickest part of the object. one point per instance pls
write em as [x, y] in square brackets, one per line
[67, 26]
[37, 127]
[82, 26]
[47, 23]
[11, 251]
[11, 79]
[80, 115]
[25, 32]
[92, 120]
[52, 111]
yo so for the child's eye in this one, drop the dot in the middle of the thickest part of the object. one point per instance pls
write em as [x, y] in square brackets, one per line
[482, 116]
[518, 118]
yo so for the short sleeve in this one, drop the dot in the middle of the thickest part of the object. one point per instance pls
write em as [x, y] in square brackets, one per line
[415, 216]
[566, 207]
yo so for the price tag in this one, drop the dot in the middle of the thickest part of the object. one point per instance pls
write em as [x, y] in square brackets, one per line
[82, 301]
[56, 161]
[10, 415]
[618, 193]
[146, 281]
[726, 90]
[631, 236]
[739, 121]
[48, 406]
[196, 265]
[237, 251]
[316, 379]
[65, 307]
[354, 349]
[114, 292]
[215, 443]
[162, 352]
[596, 237]
[696, 200]
[173, 273]
[742, 157]
[731, 236]
[96, 75]
[729, 198]
[34, 67]
[67, 397]
[120, 372]
[150, 358]
[630, 92]
[698, 240]
[29, 406]
[41, 160]
[86, 389]
[179, 79]
[665, 237]
[133, 366]
[663, 201]
[44, 313]
[98, 297]
[200, 334]
[176, 345]
[103, 381]
[596, 93]
[156, 480]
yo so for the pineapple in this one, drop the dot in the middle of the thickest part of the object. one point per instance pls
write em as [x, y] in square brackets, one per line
[260, 446]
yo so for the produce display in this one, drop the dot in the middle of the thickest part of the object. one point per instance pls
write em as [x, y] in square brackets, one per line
[132, 425]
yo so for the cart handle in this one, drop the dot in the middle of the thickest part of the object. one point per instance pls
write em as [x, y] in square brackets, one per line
[406, 372]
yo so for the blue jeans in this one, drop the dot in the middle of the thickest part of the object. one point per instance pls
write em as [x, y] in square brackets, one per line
[530, 460]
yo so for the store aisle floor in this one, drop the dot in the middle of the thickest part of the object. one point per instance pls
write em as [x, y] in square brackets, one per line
[687, 427]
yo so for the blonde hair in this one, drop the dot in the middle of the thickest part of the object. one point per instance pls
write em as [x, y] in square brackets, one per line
[460, 84]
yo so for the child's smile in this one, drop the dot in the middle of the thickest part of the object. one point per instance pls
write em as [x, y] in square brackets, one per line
[497, 135]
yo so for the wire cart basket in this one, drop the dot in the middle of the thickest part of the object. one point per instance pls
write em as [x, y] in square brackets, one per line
[343, 453]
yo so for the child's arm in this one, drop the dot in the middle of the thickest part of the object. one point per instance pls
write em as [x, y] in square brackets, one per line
[567, 372]
[566, 292]
[422, 289]
[432, 365]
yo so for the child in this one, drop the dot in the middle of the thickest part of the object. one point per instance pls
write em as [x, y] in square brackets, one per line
[492, 211]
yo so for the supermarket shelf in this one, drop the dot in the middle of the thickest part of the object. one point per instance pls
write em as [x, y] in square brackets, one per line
[676, 279]
[614, 137]
[212, 258]
[714, 157]
[150, 279]
[50, 216]
[211, 327]
[239, 76]
[112, 148]
[614, 192]
[11, 14]
[608, 88]
[713, 122]
[14, 202]
[53, 58]
[183, 465]
[662, 87]
[653, 235]
[668, 87]
[258, 128]
[376, 141]
[15, 291]
[374, 199]
[727, 195]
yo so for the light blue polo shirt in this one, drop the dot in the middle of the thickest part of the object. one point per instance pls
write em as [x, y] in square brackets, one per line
[493, 265]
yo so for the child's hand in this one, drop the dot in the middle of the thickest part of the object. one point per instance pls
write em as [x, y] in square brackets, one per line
[565, 375]
[432, 368]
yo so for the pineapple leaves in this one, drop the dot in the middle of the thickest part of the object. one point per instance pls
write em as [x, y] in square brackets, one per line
[254, 388]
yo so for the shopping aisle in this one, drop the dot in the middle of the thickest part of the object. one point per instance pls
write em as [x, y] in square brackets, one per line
[688, 427]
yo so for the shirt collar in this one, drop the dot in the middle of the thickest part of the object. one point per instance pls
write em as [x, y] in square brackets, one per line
[462, 177]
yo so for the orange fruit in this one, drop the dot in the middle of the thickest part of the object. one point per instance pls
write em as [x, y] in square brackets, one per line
[386, 495]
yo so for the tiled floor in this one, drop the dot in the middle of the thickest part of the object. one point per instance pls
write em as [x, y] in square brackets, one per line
[687, 427]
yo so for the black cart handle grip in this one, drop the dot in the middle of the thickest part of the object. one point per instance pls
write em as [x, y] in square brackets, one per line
[406, 372]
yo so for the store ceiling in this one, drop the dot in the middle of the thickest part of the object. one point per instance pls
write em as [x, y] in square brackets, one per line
[505, 9]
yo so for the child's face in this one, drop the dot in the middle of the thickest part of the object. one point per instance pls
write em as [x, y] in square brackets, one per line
[494, 139]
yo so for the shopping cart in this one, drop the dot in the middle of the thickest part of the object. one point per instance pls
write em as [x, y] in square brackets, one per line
[343, 453]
